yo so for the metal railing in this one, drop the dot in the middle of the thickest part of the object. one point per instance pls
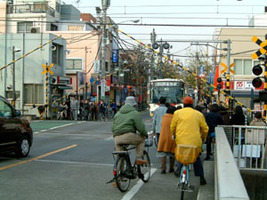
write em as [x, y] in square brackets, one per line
[248, 146]
[31, 8]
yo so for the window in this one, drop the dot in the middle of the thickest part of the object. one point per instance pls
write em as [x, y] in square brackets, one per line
[74, 64]
[75, 28]
[34, 94]
[243, 66]
[5, 110]
[24, 27]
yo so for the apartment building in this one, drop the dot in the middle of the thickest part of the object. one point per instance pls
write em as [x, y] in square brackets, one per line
[29, 24]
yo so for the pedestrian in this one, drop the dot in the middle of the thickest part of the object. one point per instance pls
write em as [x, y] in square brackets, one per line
[225, 115]
[94, 111]
[68, 109]
[213, 118]
[258, 121]
[128, 128]
[189, 127]
[166, 145]
[75, 107]
[55, 108]
[102, 107]
[86, 110]
[158, 114]
[113, 106]
[257, 137]
[63, 110]
[238, 117]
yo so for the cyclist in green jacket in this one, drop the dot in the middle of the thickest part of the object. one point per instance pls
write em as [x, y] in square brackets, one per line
[128, 128]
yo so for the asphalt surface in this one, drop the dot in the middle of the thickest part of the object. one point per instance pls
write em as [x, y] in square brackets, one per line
[73, 160]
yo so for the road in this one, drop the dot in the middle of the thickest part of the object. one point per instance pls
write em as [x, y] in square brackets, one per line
[73, 160]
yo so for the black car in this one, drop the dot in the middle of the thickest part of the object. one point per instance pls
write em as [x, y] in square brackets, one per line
[15, 132]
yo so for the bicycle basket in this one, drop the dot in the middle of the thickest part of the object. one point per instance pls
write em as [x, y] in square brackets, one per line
[186, 154]
[149, 140]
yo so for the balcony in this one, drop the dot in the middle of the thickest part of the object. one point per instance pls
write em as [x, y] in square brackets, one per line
[31, 8]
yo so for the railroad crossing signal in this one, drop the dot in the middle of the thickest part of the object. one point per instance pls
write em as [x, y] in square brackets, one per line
[225, 67]
[47, 69]
[261, 50]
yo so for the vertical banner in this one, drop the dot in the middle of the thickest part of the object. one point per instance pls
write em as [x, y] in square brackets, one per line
[115, 53]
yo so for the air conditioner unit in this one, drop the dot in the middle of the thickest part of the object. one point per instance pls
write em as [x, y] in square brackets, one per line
[35, 30]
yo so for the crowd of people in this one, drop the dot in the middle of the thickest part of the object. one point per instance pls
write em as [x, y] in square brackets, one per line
[73, 109]
[188, 127]
[173, 126]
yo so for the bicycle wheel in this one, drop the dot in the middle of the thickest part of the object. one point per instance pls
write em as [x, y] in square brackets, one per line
[145, 169]
[182, 191]
[123, 182]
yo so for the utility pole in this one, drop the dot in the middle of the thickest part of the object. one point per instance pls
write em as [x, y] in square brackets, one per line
[228, 72]
[153, 37]
[105, 5]
[13, 77]
[263, 94]
[14, 50]
[161, 46]
[197, 82]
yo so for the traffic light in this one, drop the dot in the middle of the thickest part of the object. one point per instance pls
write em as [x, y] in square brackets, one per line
[257, 71]
[219, 81]
[54, 80]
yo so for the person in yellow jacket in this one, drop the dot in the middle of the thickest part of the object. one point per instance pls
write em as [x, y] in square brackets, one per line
[189, 126]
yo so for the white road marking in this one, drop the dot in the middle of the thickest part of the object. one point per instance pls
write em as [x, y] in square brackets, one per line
[129, 195]
[75, 162]
[109, 138]
[64, 125]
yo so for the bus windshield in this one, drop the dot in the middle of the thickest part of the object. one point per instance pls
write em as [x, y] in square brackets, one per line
[173, 91]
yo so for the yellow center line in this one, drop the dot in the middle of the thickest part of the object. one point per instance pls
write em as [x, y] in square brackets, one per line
[38, 157]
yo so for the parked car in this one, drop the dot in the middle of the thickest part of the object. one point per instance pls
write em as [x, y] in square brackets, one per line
[15, 132]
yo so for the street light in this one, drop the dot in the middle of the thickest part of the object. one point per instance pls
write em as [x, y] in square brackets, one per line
[14, 50]
[161, 46]
[134, 21]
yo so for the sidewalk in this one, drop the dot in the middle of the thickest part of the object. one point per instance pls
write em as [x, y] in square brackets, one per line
[206, 192]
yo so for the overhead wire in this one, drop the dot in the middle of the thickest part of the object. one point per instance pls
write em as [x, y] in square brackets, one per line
[186, 69]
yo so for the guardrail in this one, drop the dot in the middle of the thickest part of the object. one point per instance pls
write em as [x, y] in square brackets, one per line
[248, 146]
[228, 181]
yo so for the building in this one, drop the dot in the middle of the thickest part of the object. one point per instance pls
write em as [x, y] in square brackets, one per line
[27, 73]
[29, 21]
[242, 47]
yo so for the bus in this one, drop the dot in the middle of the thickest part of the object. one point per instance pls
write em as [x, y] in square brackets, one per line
[172, 89]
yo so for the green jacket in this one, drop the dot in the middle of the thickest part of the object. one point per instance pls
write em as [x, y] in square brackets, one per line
[128, 120]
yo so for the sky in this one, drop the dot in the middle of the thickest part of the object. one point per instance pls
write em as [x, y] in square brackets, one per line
[175, 21]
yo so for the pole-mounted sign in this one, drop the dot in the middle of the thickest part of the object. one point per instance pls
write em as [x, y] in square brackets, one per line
[257, 70]
[225, 68]
[46, 71]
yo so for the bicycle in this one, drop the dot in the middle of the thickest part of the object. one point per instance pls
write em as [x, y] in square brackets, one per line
[183, 184]
[124, 170]
[186, 155]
